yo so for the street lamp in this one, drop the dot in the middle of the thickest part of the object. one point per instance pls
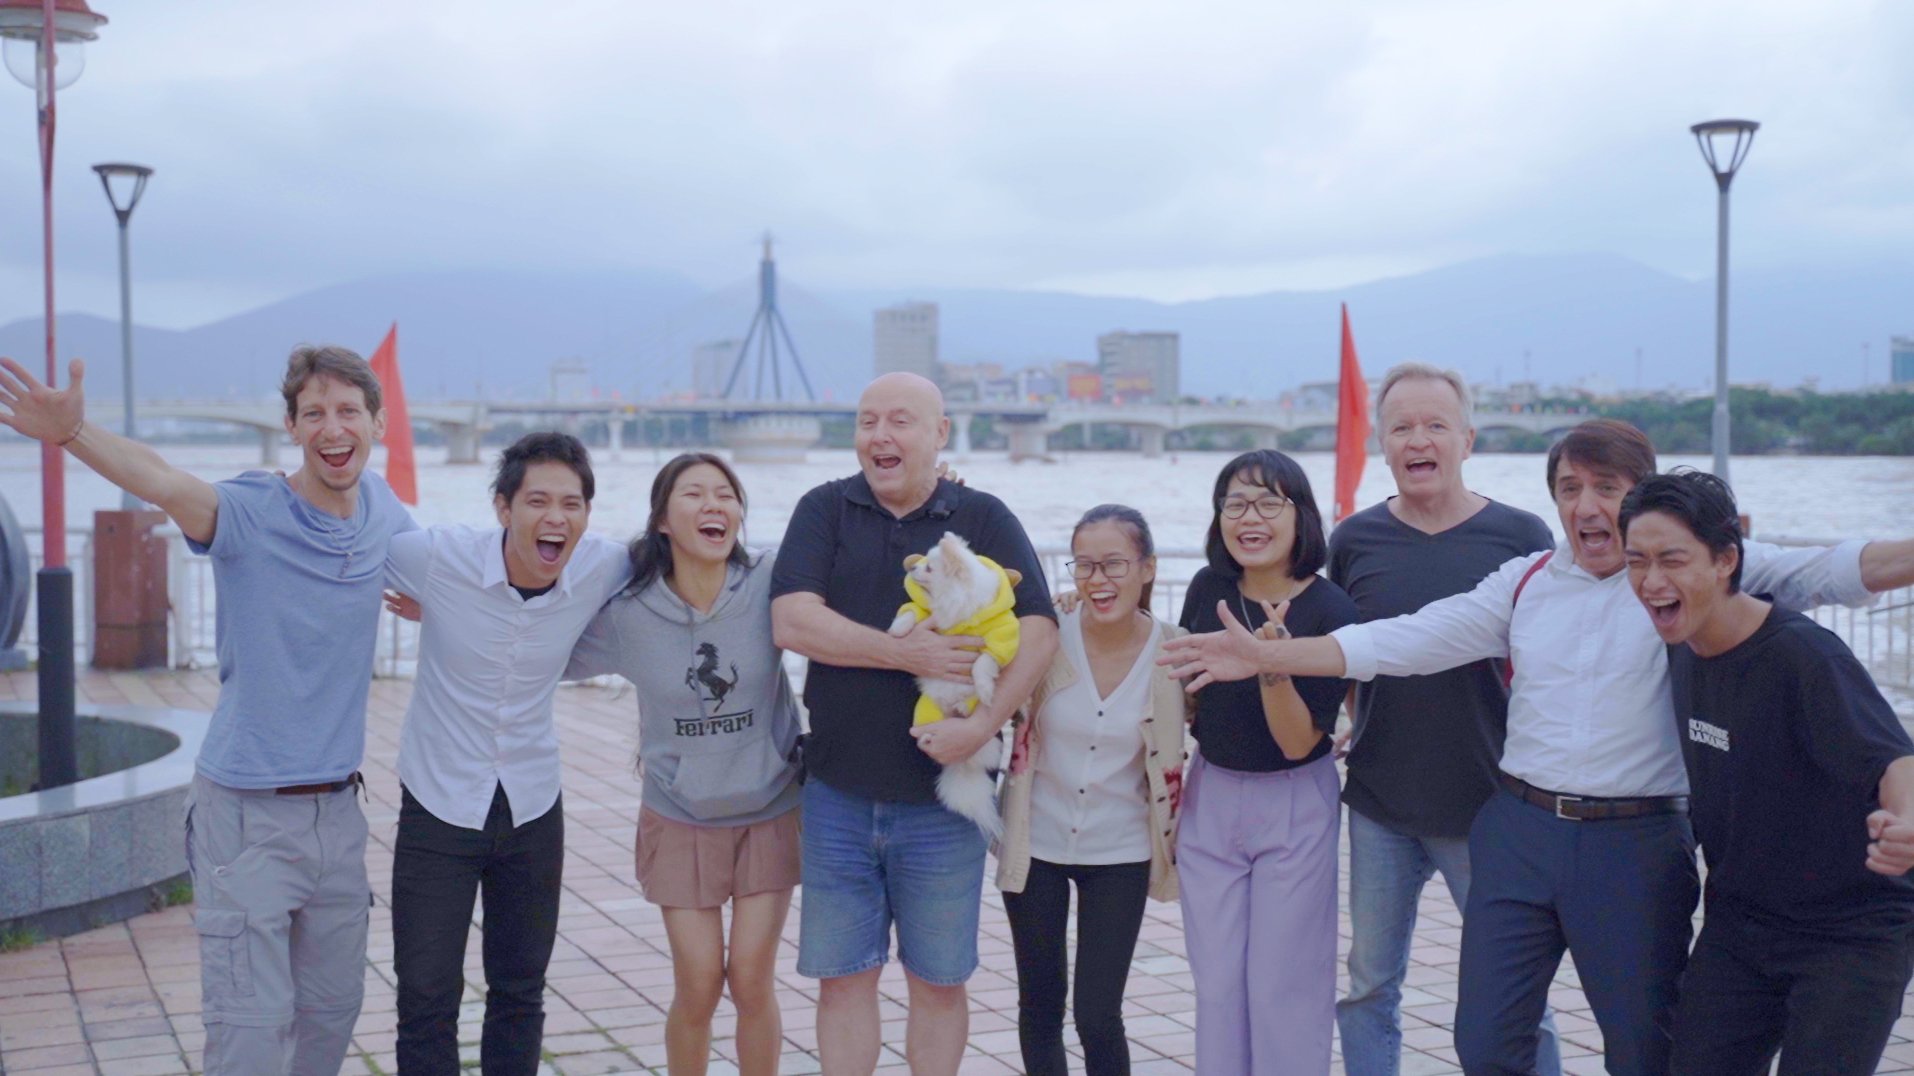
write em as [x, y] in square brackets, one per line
[133, 179]
[1724, 145]
[44, 46]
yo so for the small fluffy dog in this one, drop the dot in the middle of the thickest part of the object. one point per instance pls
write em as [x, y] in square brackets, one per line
[961, 593]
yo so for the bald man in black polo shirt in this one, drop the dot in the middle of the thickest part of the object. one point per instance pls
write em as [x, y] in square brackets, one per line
[878, 846]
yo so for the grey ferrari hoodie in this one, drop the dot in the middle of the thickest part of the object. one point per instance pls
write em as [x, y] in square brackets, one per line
[717, 722]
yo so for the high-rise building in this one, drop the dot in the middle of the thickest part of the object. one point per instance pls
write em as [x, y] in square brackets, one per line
[711, 367]
[1901, 365]
[1140, 367]
[904, 337]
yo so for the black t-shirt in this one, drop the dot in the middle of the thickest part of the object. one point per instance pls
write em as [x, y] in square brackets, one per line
[1786, 738]
[841, 544]
[1230, 725]
[1426, 748]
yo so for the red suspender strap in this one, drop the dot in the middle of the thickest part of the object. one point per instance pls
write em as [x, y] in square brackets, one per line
[1508, 670]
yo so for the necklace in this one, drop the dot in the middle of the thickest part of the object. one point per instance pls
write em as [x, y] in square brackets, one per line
[339, 533]
[1295, 588]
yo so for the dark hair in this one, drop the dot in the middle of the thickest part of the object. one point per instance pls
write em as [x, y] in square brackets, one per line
[545, 446]
[651, 550]
[1283, 476]
[1604, 444]
[1697, 500]
[308, 361]
[1123, 515]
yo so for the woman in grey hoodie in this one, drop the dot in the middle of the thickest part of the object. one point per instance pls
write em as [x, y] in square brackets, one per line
[717, 752]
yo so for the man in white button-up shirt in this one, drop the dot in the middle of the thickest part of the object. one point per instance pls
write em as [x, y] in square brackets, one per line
[1587, 848]
[478, 759]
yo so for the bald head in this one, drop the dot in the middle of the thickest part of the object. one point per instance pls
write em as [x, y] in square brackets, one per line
[900, 428]
[918, 393]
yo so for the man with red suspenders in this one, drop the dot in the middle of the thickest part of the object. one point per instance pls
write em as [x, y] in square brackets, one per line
[1587, 847]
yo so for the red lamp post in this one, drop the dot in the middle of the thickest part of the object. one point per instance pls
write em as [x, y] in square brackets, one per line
[44, 46]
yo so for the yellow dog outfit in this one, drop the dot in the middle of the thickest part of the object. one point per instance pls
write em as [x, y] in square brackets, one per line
[996, 624]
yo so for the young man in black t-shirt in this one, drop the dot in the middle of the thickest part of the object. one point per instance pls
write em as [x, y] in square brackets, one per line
[1802, 783]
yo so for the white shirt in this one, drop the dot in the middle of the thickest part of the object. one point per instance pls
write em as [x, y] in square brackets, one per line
[1590, 713]
[489, 660]
[1090, 796]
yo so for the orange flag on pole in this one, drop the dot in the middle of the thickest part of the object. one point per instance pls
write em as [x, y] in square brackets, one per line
[400, 473]
[1352, 424]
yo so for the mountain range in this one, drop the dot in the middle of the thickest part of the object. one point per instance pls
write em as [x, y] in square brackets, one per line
[1557, 319]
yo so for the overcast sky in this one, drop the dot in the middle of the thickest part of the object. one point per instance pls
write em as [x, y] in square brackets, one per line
[1169, 150]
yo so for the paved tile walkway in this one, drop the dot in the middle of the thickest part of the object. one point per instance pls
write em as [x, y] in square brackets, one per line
[124, 999]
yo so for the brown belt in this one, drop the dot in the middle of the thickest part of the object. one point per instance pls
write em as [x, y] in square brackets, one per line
[1593, 808]
[322, 788]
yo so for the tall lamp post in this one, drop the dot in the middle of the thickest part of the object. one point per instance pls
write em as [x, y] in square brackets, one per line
[132, 179]
[1724, 145]
[43, 43]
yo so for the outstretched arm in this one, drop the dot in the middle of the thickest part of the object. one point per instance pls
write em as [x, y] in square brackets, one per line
[1888, 565]
[58, 417]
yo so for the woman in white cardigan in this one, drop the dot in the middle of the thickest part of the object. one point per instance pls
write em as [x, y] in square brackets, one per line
[1091, 799]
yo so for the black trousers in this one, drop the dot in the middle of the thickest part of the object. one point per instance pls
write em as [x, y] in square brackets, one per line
[1110, 903]
[437, 870]
[1826, 1002]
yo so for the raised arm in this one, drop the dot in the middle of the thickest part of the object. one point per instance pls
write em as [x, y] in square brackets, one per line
[59, 418]
[1887, 565]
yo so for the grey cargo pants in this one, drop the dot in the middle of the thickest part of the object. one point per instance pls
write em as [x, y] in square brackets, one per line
[282, 906]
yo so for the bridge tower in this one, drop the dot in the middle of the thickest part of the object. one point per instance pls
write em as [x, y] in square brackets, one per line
[767, 329]
[768, 437]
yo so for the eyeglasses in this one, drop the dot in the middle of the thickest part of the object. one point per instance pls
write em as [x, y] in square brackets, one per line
[1268, 507]
[1114, 568]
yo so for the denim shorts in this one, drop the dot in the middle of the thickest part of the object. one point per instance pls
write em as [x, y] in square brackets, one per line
[869, 864]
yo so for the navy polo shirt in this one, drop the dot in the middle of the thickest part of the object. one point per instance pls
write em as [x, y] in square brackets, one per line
[842, 545]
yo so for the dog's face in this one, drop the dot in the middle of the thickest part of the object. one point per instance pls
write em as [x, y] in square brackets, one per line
[957, 582]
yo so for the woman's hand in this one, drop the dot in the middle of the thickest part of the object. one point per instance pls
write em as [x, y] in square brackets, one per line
[404, 606]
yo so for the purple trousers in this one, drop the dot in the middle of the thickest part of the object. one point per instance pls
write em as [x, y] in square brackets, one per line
[1256, 860]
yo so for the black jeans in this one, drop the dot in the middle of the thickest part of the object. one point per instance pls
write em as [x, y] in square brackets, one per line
[1826, 1002]
[1110, 903]
[437, 869]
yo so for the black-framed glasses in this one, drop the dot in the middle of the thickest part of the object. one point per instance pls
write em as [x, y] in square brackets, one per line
[1268, 506]
[1113, 568]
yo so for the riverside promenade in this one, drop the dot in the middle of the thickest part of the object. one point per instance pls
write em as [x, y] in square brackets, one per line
[123, 1000]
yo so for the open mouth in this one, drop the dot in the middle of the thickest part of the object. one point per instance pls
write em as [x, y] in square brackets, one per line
[1253, 542]
[550, 548]
[1665, 612]
[336, 458]
[1420, 466]
[887, 463]
[714, 533]
[1595, 539]
[1103, 601]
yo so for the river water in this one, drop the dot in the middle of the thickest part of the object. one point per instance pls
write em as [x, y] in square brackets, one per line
[1826, 497]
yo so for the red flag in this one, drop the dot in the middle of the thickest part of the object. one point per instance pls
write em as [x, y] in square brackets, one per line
[400, 473]
[1352, 424]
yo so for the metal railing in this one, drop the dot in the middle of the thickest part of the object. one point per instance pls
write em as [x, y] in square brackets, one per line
[1881, 635]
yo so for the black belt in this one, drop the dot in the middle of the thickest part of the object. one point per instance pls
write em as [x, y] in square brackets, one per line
[322, 788]
[1593, 808]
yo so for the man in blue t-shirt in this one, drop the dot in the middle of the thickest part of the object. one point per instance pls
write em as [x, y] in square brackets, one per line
[1802, 796]
[275, 838]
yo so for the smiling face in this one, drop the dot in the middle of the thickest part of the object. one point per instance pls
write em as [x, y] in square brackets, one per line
[1257, 542]
[704, 516]
[1106, 600]
[334, 431]
[1424, 437]
[1680, 581]
[900, 428]
[1589, 502]
[543, 523]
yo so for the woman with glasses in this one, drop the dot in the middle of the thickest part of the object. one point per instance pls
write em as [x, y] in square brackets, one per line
[1257, 848]
[1091, 800]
